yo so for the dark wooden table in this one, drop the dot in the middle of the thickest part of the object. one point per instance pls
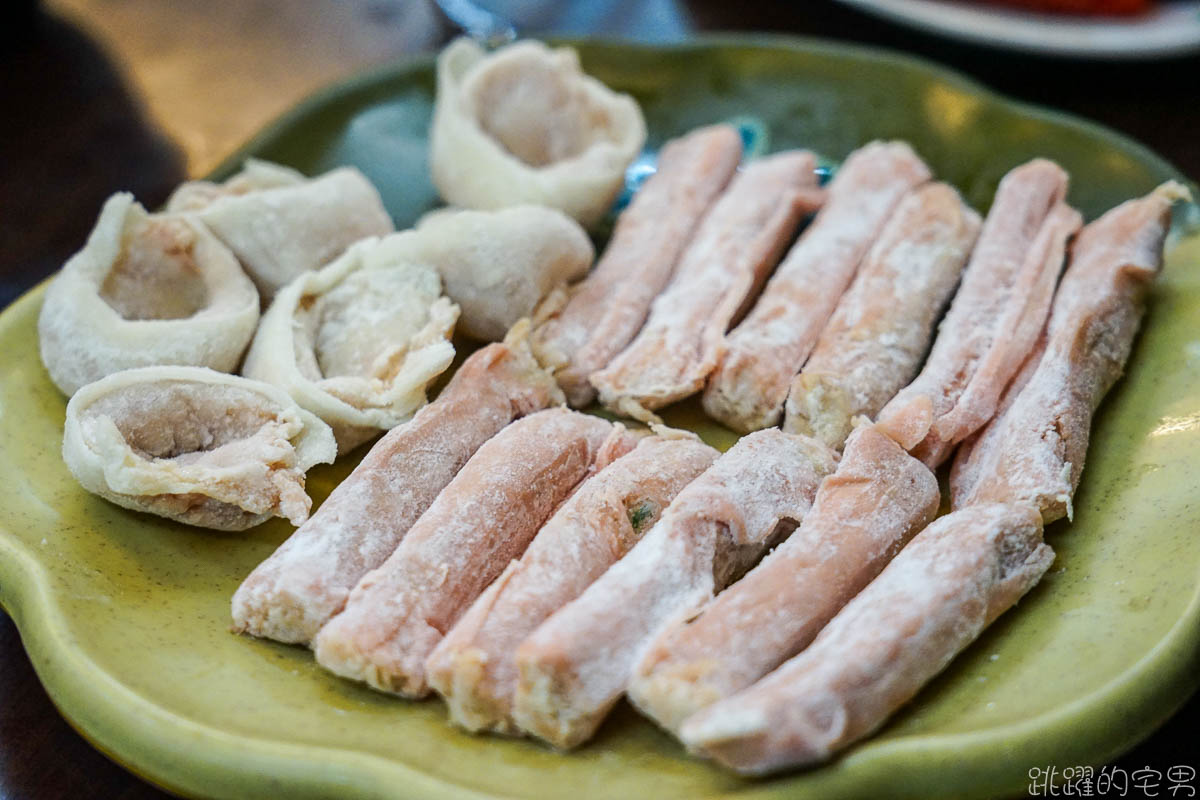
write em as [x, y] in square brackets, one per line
[139, 94]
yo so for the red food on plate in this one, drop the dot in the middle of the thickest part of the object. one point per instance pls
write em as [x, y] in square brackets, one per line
[1082, 6]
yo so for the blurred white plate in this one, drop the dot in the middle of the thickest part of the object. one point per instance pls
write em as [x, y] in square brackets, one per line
[1168, 29]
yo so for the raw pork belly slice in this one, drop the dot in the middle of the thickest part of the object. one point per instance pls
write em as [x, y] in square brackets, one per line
[882, 327]
[484, 518]
[878, 498]
[734, 249]
[1033, 451]
[580, 332]
[306, 581]
[474, 668]
[995, 318]
[762, 354]
[574, 667]
[934, 599]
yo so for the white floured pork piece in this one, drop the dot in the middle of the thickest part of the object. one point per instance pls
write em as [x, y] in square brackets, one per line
[498, 265]
[474, 668]
[877, 500]
[732, 252]
[255, 176]
[306, 581]
[932, 600]
[575, 666]
[358, 341]
[1033, 451]
[524, 124]
[146, 289]
[763, 353]
[883, 325]
[280, 224]
[579, 330]
[994, 319]
[194, 445]
[482, 520]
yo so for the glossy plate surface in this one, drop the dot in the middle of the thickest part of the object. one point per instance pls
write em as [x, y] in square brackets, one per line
[126, 616]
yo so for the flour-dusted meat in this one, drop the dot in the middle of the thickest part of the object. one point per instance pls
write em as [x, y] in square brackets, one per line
[574, 667]
[883, 325]
[763, 353]
[306, 581]
[931, 601]
[484, 518]
[878, 498]
[474, 668]
[994, 319]
[1033, 451]
[733, 251]
[580, 330]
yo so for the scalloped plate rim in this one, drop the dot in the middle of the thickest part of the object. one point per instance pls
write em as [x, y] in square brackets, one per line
[63, 669]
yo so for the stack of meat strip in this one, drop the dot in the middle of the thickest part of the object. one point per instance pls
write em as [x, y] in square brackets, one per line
[533, 564]
[966, 568]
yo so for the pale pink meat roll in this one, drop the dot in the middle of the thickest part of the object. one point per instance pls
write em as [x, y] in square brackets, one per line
[482, 520]
[877, 500]
[995, 317]
[580, 331]
[883, 325]
[1033, 451]
[764, 352]
[474, 668]
[574, 667]
[306, 581]
[735, 247]
[933, 600]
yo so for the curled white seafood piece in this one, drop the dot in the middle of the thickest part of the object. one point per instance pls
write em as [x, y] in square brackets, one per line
[358, 341]
[526, 125]
[146, 289]
[280, 224]
[256, 175]
[497, 265]
[194, 445]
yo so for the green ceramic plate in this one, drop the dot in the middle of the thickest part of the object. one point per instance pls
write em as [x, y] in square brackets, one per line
[125, 615]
